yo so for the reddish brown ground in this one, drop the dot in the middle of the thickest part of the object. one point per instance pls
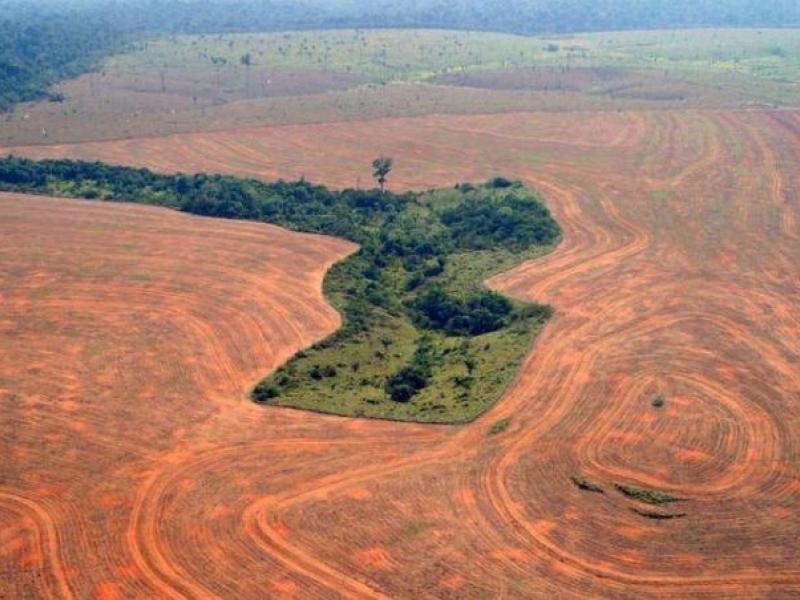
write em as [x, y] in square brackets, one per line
[129, 336]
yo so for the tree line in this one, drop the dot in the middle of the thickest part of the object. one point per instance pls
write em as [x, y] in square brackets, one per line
[40, 49]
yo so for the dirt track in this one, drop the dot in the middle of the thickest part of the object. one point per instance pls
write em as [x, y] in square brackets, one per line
[678, 274]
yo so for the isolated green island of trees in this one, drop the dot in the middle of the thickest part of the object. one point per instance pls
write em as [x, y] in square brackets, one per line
[422, 338]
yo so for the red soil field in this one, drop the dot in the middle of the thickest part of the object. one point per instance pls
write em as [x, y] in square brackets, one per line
[131, 334]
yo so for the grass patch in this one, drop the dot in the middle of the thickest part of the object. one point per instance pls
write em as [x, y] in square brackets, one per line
[660, 195]
[415, 528]
[499, 426]
[413, 55]
[588, 486]
[647, 495]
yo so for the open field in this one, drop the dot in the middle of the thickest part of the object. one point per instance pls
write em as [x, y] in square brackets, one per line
[678, 276]
[408, 55]
[200, 83]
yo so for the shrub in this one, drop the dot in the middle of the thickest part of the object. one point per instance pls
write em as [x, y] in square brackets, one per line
[463, 382]
[588, 486]
[499, 426]
[316, 372]
[499, 182]
[537, 312]
[406, 383]
[265, 392]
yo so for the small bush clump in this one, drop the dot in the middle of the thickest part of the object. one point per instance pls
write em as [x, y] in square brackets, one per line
[588, 486]
[646, 495]
[264, 392]
[499, 426]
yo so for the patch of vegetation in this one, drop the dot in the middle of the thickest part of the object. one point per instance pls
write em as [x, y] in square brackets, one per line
[661, 195]
[415, 528]
[422, 339]
[589, 486]
[658, 401]
[650, 514]
[647, 495]
[698, 57]
[499, 426]
[410, 380]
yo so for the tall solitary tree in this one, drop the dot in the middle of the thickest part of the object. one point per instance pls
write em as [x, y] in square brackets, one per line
[382, 166]
[247, 61]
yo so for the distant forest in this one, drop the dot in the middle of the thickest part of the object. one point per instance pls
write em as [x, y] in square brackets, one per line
[44, 41]
[38, 49]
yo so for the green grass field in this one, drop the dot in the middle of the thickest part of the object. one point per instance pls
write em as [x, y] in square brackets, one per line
[201, 83]
[417, 55]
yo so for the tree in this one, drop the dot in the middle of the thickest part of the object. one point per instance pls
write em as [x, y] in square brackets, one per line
[382, 166]
[247, 61]
[406, 383]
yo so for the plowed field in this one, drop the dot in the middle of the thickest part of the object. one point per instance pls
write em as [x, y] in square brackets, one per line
[135, 467]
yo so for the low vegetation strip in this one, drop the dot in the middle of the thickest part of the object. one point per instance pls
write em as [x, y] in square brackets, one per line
[586, 485]
[658, 516]
[647, 495]
[422, 338]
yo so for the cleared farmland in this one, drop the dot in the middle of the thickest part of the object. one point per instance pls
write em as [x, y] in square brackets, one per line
[677, 278]
[200, 83]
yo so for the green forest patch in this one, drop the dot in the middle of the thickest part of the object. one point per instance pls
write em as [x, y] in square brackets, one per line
[422, 338]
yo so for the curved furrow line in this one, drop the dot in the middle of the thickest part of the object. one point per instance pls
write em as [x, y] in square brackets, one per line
[657, 287]
[148, 545]
[54, 582]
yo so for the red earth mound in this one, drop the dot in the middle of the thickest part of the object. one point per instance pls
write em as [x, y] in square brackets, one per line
[130, 335]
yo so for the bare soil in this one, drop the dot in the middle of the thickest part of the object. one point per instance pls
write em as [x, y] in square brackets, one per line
[130, 334]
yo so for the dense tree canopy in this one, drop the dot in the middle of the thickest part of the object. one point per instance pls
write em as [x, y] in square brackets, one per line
[516, 16]
[37, 50]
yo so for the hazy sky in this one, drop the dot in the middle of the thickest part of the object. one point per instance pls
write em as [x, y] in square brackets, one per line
[523, 16]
